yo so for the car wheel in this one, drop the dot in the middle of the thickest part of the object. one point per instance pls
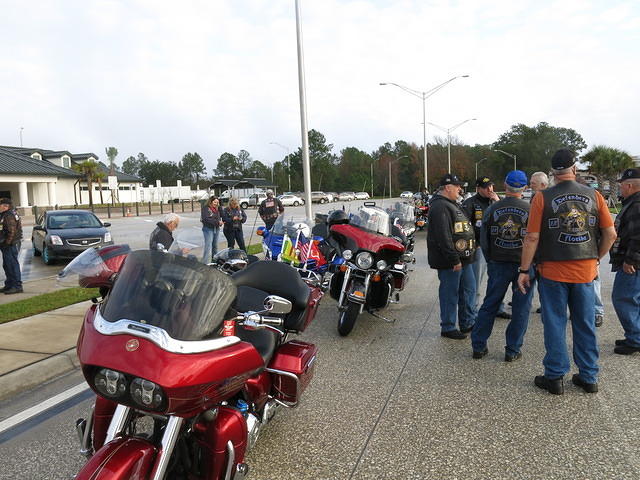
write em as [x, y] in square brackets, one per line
[321, 200]
[46, 256]
[36, 252]
[296, 203]
[244, 205]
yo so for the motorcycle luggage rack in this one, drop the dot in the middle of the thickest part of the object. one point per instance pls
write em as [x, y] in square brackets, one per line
[293, 377]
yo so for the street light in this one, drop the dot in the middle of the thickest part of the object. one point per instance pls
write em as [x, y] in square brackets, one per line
[477, 163]
[448, 131]
[288, 161]
[511, 155]
[394, 160]
[424, 96]
[21, 128]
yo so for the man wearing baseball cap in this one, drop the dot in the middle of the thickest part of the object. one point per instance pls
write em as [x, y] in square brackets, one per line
[625, 261]
[269, 209]
[451, 248]
[571, 228]
[475, 207]
[501, 236]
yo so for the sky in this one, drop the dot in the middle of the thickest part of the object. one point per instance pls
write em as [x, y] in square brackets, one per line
[167, 78]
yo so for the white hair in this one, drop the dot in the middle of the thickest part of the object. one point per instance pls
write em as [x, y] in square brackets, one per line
[511, 189]
[541, 176]
[171, 218]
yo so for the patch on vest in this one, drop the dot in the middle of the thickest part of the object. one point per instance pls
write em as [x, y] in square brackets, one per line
[508, 233]
[573, 224]
[558, 201]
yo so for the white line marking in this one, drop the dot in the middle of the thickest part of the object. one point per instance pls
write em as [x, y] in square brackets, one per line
[41, 407]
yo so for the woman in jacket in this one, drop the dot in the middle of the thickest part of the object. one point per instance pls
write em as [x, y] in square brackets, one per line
[233, 217]
[211, 222]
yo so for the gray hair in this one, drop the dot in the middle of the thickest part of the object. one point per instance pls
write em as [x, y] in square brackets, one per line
[511, 189]
[541, 176]
[565, 171]
[171, 218]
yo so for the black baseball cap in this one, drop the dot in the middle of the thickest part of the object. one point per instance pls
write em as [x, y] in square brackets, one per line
[450, 179]
[629, 173]
[563, 158]
[483, 182]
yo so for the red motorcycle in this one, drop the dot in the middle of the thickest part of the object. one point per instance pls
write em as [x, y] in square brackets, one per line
[375, 264]
[188, 363]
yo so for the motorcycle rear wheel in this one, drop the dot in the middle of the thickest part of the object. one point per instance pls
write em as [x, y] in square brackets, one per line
[347, 319]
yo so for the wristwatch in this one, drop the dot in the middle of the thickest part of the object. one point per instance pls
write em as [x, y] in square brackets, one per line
[525, 272]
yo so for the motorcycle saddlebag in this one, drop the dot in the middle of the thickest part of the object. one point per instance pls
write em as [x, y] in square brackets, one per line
[294, 357]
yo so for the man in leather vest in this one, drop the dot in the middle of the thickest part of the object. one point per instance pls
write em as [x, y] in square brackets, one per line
[474, 207]
[625, 261]
[502, 235]
[451, 248]
[10, 239]
[571, 228]
[269, 209]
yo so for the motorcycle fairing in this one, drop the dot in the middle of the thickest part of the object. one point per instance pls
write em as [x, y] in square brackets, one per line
[366, 240]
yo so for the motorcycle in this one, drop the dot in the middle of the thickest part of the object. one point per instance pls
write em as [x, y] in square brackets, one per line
[403, 221]
[375, 267]
[292, 240]
[188, 363]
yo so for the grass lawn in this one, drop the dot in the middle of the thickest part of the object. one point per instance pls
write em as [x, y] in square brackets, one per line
[254, 249]
[45, 303]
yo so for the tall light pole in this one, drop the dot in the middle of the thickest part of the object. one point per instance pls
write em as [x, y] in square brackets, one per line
[21, 129]
[477, 163]
[394, 160]
[511, 155]
[288, 161]
[304, 131]
[424, 96]
[449, 130]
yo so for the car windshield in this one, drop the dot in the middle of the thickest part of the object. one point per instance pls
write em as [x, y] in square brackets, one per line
[371, 219]
[73, 220]
[182, 296]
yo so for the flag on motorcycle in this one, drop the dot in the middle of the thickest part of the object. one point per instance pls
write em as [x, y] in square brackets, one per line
[288, 252]
[310, 253]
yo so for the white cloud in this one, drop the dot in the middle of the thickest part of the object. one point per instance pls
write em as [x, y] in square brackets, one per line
[166, 78]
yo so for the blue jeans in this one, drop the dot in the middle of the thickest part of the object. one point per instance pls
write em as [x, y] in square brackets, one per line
[501, 276]
[11, 266]
[597, 288]
[580, 298]
[457, 294]
[479, 270]
[210, 243]
[626, 302]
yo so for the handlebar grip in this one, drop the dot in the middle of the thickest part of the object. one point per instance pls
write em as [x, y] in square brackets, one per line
[275, 321]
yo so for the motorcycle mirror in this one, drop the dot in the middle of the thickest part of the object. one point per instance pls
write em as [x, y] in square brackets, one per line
[277, 305]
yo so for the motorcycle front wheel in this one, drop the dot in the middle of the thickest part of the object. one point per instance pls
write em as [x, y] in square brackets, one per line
[347, 319]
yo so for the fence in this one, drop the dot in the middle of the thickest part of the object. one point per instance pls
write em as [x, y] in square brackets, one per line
[129, 209]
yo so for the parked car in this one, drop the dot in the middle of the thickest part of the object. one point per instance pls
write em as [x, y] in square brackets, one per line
[346, 196]
[291, 200]
[67, 233]
[252, 200]
[361, 196]
[406, 195]
[319, 197]
[333, 195]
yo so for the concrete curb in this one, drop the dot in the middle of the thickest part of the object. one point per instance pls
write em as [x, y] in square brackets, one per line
[38, 373]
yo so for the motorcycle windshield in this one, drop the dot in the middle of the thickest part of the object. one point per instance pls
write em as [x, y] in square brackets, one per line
[372, 219]
[178, 294]
[404, 213]
[292, 226]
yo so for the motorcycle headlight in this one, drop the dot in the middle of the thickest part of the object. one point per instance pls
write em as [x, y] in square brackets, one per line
[364, 260]
[110, 383]
[381, 264]
[406, 257]
[55, 240]
[146, 394]
[107, 237]
[347, 254]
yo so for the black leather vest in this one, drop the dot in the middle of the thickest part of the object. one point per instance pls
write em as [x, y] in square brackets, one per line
[506, 224]
[270, 208]
[570, 224]
[463, 236]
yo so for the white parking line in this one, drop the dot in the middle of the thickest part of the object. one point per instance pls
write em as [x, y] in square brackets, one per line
[41, 407]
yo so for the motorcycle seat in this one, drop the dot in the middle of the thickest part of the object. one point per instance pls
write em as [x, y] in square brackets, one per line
[276, 278]
[265, 341]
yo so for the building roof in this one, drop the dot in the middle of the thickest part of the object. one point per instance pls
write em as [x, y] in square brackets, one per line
[20, 163]
[122, 177]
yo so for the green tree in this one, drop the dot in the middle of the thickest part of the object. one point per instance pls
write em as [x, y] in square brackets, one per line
[88, 169]
[607, 164]
[228, 166]
[132, 164]
[257, 169]
[99, 177]
[112, 153]
[191, 168]
[534, 146]
[166, 172]
[324, 174]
